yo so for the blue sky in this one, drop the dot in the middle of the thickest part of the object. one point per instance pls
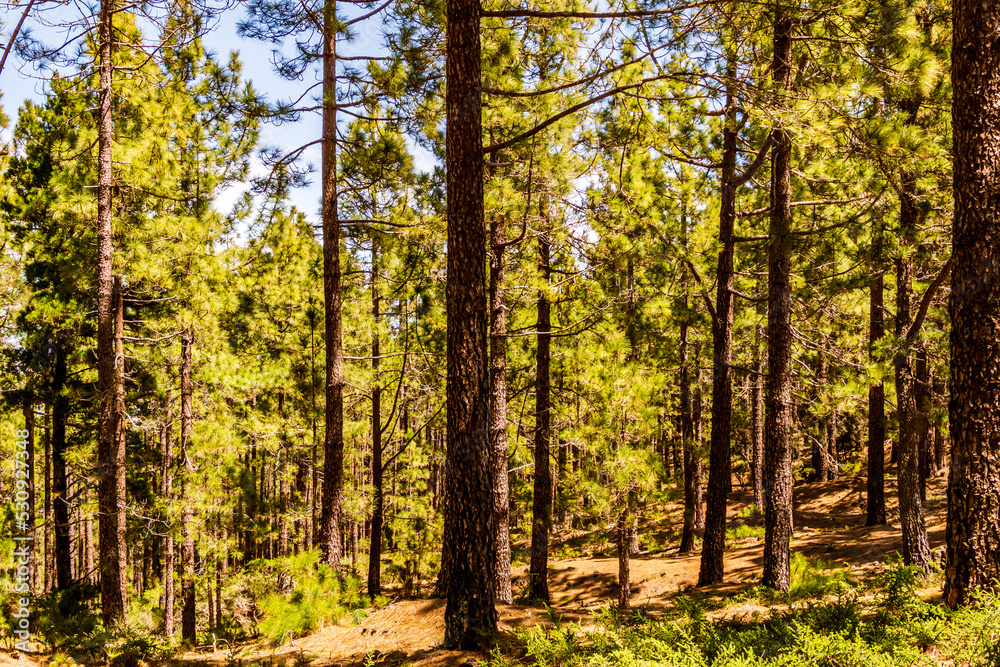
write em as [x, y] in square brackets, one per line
[19, 82]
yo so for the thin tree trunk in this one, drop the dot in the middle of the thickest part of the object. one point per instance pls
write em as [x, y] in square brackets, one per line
[498, 405]
[622, 531]
[60, 477]
[698, 471]
[188, 612]
[757, 422]
[819, 454]
[973, 533]
[777, 423]
[28, 411]
[541, 504]
[333, 465]
[469, 527]
[922, 397]
[875, 502]
[916, 549]
[47, 510]
[940, 442]
[691, 456]
[720, 464]
[378, 499]
[166, 492]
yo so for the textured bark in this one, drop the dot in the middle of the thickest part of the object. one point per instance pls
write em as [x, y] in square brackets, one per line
[757, 423]
[973, 533]
[940, 442]
[777, 423]
[699, 465]
[922, 397]
[833, 469]
[469, 531]
[916, 549]
[541, 504]
[875, 500]
[166, 493]
[110, 447]
[28, 411]
[188, 611]
[333, 446]
[623, 528]
[49, 540]
[498, 406]
[691, 458]
[720, 463]
[819, 454]
[60, 478]
[378, 499]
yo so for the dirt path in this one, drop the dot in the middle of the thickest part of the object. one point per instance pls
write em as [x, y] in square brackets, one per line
[829, 525]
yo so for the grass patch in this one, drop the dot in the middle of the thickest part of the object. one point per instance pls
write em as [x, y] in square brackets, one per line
[880, 622]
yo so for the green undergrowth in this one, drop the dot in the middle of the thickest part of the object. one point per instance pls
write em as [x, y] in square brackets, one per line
[297, 595]
[878, 622]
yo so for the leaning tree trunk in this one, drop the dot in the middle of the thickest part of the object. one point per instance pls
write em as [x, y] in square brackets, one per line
[973, 533]
[719, 456]
[916, 549]
[110, 443]
[333, 463]
[498, 407]
[875, 502]
[777, 429]
[469, 527]
[541, 505]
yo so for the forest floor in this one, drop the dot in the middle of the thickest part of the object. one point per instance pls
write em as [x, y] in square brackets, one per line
[829, 526]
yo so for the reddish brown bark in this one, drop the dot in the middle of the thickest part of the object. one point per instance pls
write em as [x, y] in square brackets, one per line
[973, 533]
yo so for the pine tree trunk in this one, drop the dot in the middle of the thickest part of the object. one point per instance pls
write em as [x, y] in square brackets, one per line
[777, 423]
[470, 530]
[940, 442]
[110, 454]
[698, 472]
[875, 501]
[757, 422]
[48, 528]
[188, 612]
[916, 549]
[28, 411]
[166, 492]
[541, 504]
[973, 533]
[88, 539]
[498, 405]
[622, 530]
[691, 457]
[378, 499]
[60, 478]
[333, 465]
[720, 464]
[922, 395]
[819, 460]
[833, 469]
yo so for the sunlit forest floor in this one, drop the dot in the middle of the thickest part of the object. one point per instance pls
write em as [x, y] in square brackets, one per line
[829, 534]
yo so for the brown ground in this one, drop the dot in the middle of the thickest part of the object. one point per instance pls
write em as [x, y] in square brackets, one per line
[829, 525]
